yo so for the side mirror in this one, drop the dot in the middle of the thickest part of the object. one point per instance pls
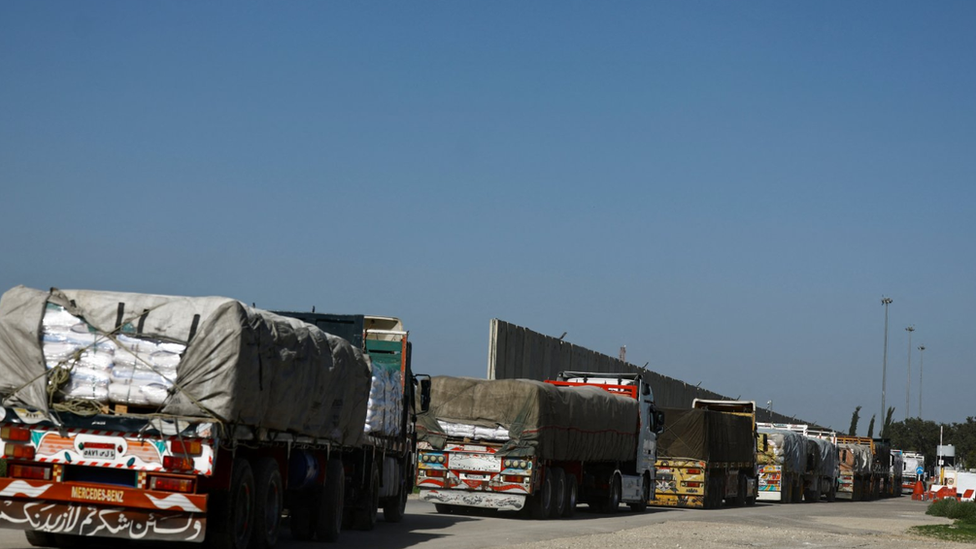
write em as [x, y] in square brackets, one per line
[424, 380]
[658, 421]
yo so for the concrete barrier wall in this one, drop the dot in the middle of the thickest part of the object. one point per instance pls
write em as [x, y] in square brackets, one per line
[516, 352]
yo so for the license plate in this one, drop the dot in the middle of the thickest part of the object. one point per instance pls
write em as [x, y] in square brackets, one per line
[98, 453]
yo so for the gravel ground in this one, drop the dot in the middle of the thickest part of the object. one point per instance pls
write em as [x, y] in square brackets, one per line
[832, 532]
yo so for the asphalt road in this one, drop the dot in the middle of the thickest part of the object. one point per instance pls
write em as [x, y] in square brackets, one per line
[423, 528]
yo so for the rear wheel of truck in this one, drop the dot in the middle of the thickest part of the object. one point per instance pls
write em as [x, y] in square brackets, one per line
[364, 517]
[395, 507]
[269, 500]
[569, 507]
[558, 492]
[328, 521]
[832, 493]
[797, 490]
[740, 494]
[232, 519]
[540, 504]
[40, 539]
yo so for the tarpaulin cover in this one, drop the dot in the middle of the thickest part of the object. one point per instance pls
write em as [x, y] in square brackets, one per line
[706, 435]
[826, 456]
[548, 421]
[242, 365]
[784, 448]
[855, 458]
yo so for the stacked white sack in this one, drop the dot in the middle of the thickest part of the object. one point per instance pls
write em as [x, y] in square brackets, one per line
[136, 371]
[67, 340]
[385, 402]
[474, 432]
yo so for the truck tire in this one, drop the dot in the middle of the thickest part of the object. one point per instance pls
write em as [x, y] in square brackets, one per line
[740, 494]
[395, 507]
[40, 539]
[832, 493]
[328, 521]
[540, 504]
[364, 516]
[612, 501]
[302, 511]
[232, 518]
[558, 492]
[572, 489]
[269, 501]
[798, 490]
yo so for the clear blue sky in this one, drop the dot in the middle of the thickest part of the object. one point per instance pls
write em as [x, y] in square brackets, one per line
[726, 188]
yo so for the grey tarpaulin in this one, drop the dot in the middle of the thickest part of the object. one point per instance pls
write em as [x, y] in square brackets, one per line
[785, 448]
[548, 421]
[706, 435]
[243, 365]
[856, 458]
[827, 460]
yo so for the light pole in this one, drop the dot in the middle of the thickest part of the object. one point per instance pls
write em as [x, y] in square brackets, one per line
[908, 393]
[921, 362]
[884, 361]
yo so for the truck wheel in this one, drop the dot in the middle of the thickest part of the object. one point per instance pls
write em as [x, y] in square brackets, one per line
[740, 495]
[40, 539]
[540, 504]
[558, 492]
[612, 501]
[797, 490]
[232, 522]
[832, 493]
[302, 511]
[569, 507]
[395, 507]
[328, 521]
[641, 505]
[269, 500]
[364, 517]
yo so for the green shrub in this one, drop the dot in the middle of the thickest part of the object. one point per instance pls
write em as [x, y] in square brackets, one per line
[962, 511]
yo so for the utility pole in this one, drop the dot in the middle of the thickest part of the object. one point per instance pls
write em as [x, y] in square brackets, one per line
[884, 361]
[921, 362]
[908, 393]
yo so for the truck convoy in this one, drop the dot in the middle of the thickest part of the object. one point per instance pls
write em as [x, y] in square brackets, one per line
[538, 447]
[707, 455]
[153, 417]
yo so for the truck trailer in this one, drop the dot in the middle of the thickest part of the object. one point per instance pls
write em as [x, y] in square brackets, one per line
[538, 447]
[194, 419]
[707, 455]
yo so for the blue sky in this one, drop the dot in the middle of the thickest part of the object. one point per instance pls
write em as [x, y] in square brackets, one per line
[726, 188]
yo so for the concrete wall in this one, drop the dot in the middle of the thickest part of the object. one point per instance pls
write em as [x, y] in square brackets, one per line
[517, 352]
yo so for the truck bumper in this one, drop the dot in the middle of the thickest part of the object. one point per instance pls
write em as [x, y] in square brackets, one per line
[663, 499]
[769, 495]
[484, 500]
[82, 519]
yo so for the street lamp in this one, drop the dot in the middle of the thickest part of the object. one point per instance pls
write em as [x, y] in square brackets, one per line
[884, 361]
[908, 393]
[921, 362]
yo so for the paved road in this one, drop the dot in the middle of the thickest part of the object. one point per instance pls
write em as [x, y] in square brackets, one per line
[423, 528]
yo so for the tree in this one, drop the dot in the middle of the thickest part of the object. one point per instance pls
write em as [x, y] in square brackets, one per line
[852, 432]
[887, 423]
[871, 428]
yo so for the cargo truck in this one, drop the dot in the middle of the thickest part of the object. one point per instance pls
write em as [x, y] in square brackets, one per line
[539, 447]
[856, 459]
[896, 472]
[194, 419]
[913, 470]
[707, 455]
[811, 470]
[782, 463]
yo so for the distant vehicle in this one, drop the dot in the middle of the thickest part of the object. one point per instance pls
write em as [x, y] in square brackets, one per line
[539, 447]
